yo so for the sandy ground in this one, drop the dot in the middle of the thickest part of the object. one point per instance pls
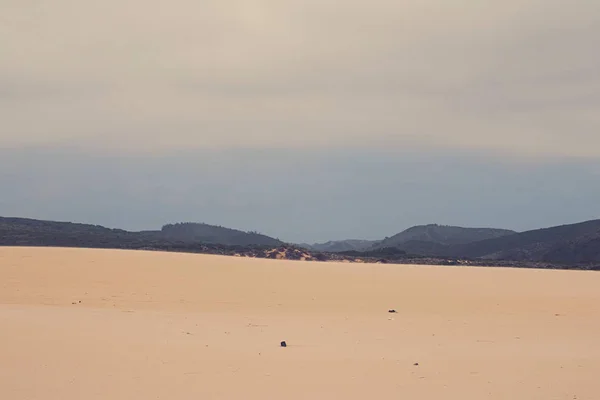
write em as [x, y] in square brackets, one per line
[103, 324]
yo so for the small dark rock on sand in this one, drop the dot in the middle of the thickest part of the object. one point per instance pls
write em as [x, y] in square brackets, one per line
[283, 344]
[392, 311]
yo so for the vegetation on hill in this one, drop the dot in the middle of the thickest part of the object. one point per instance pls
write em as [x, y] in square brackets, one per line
[23, 231]
[584, 249]
[574, 244]
[196, 232]
[567, 246]
[341, 245]
[571, 243]
[442, 235]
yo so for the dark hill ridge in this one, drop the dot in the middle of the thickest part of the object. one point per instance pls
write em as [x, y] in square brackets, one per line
[442, 235]
[35, 225]
[183, 237]
[31, 232]
[197, 232]
[422, 239]
[567, 246]
[574, 244]
[566, 243]
[579, 251]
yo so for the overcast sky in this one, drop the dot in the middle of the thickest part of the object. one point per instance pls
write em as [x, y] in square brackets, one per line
[309, 120]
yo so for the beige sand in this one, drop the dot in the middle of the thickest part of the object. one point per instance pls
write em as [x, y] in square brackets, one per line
[174, 326]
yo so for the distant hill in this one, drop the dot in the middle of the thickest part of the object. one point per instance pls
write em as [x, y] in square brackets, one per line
[204, 233]
[573, 246]
[437, 236]
[32, 232]
[574, 243]
[582, 250]
[24, 231]
[339, 246]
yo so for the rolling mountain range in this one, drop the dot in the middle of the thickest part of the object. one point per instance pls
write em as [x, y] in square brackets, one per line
[23, 231]
[443, 235]
[572, 245]
[565, 244]
[419, 239]
[195, 232]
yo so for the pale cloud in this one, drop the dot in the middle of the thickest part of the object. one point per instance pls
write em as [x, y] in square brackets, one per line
[513, 76]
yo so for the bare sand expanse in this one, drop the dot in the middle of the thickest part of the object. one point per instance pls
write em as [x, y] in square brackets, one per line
[103, 324]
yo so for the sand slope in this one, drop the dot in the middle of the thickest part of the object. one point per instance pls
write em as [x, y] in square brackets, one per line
[175, 326]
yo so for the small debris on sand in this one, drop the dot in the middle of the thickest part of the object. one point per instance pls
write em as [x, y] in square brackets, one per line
[416, 364]
[392, 311]
[283, 344]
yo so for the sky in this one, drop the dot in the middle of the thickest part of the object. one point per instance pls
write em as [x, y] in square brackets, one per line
[306, 120]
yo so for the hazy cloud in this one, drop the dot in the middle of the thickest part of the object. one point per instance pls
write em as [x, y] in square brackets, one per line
[518, 76]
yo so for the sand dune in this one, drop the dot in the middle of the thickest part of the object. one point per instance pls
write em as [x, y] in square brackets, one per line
[103, 324]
